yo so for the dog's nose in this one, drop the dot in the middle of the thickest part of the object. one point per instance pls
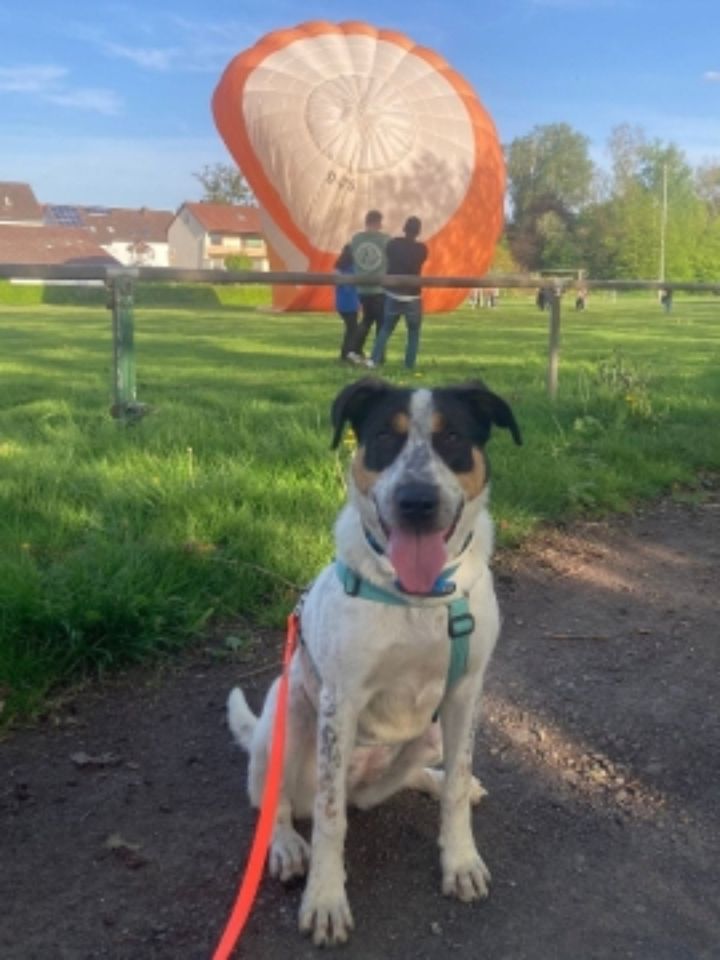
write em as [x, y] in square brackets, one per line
[417, 502]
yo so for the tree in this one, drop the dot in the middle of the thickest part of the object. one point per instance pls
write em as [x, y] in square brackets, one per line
[707, 186]
[551, 161]
[653, 192]
[551, 178]
[626, 144]
[223, 183]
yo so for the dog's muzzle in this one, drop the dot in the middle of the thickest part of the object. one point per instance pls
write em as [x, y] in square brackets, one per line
[417, 506]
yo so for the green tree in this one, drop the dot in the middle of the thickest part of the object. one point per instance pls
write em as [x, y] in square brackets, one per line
[707, 186]
[552, 161]
[550, 178]
[223, 183]
[621, 237]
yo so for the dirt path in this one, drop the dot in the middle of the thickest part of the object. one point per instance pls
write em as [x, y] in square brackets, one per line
[123, 824]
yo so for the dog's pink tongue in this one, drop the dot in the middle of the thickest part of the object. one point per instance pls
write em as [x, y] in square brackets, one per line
[418, 559]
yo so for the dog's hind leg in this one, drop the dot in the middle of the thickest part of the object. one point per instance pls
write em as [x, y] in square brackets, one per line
[289, 852]
[430, 780]
[404, 771]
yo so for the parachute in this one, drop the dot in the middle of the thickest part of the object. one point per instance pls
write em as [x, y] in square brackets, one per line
[328, 121]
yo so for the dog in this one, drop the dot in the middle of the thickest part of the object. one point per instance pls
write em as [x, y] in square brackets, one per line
[396, 634]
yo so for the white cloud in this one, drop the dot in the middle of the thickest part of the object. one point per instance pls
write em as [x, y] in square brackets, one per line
[195, 46]
[33, 78]
[149, 58]
[712, 76]
[49, 83]
[86, 98]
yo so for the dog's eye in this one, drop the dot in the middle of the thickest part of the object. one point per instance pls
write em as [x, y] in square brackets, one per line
[448, 438]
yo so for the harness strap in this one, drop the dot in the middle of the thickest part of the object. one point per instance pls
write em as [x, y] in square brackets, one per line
[461, 622]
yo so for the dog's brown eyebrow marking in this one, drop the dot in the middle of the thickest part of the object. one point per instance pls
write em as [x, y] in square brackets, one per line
[474, 480]
[364, 478]
[400, 423]
[437, 423]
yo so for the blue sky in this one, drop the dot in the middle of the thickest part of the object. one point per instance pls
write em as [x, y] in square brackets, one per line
[109, 102]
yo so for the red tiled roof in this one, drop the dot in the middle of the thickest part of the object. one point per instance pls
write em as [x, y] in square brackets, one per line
[17, 202]
[225, 218]
[121, 225]
[50, 245]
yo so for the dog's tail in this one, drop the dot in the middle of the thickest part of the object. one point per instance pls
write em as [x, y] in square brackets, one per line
[240, 718]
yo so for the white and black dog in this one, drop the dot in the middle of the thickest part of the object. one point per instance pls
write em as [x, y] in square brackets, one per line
[396, 634]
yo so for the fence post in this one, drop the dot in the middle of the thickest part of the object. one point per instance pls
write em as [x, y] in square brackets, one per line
[121, 300]
[555, 294]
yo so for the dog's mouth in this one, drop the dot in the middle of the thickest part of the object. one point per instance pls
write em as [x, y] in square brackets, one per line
[418, 557]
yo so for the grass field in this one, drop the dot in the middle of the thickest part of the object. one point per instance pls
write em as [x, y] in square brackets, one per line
[121, 542]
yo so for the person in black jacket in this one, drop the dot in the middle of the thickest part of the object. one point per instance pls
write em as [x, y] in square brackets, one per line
[405, 257]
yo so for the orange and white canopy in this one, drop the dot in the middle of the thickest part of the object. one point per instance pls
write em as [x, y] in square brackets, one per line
[327, 121]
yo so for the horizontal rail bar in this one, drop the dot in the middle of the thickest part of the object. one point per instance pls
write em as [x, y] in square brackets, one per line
[24, 271]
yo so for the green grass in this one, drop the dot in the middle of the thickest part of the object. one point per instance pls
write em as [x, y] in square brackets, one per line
[117, 543]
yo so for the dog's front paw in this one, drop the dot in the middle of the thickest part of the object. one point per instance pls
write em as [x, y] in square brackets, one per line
[466, 878]
[325, 914]
[289, 854]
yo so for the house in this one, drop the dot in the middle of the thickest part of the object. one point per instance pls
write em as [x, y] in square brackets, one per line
[18, 205]
[203, 235]
[132, 237]
[50, 245]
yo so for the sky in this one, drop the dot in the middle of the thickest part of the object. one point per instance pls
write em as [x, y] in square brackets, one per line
[109, 102]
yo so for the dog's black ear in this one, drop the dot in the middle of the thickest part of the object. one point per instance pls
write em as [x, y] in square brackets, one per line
[488, 406]
[354, 402]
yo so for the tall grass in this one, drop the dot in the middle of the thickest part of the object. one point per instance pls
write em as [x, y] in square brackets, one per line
[120, 542]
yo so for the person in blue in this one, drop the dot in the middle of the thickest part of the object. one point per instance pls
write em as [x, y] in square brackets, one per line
[347, 304]
[405, 257]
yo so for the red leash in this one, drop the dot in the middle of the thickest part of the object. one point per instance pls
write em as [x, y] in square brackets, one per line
[268, 809]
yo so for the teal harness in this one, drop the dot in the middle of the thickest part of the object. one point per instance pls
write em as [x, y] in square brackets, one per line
[461, 622]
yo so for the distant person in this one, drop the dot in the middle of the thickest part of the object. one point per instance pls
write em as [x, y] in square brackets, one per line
[666, 299]
[581, 299]
[347, 304]
[541, 299]
[368, 253]
[492, 297]
[405, 257]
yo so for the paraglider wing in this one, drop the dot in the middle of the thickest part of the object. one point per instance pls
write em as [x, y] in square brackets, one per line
[327, 121]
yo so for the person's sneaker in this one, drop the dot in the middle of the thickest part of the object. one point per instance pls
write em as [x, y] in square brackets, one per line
[371, 364]
[355, 358]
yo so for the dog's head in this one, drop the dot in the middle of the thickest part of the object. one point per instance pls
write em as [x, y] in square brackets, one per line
[420, 470]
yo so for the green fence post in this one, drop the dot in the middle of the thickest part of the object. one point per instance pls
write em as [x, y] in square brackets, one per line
[121, 300]
[555, 294]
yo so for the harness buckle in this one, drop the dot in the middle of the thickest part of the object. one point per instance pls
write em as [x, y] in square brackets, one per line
[460, 625]
[351, 582]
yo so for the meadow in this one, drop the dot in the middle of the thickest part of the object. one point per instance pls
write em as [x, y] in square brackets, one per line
[120, 543]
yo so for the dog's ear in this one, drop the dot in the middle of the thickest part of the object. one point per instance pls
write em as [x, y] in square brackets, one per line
[488, 407]
[353, 404]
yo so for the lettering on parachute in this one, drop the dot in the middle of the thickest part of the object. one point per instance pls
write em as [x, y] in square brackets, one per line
[343, 183]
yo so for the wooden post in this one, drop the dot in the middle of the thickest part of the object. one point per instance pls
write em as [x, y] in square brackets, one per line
[554, 341]
[121, 300]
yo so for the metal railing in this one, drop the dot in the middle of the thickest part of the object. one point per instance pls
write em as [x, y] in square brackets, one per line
[120, 283]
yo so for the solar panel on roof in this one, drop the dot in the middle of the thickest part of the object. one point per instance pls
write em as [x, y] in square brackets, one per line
[64, 216]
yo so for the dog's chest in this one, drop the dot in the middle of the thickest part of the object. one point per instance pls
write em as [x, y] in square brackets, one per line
[404, 680]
